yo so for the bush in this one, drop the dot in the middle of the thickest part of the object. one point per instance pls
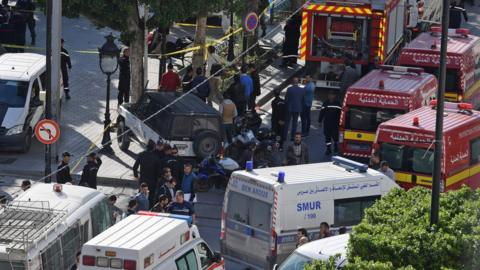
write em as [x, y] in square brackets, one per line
[397, 230]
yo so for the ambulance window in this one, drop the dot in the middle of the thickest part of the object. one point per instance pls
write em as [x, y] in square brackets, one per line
[51, 257]
[259, 215]
[205, 255]
[84, 232]
[422, 161]
[100, 217]
[187, 261]
[238, 207]
[393, 154]
[350, 212]
[475, 150]
[70, 246]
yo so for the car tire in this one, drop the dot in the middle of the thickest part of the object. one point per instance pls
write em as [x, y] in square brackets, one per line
[27, 141]
[206, 144]
[123, 139]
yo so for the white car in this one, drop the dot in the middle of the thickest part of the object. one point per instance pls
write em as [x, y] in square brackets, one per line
[22, 88]
[321, 250]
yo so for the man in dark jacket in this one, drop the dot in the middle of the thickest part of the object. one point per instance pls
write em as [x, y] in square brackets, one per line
[457, 10]
[149, 170]
[202, 89]
[63, 173]
[348, 77]
[330, 116]
[291, 41]
[297, 153]
[168, 189]
[64, 63]
[294, 101]
[27, 7]
[236, 92]
[279, 113]
[124, 77]
[257, 90]
[90, 170]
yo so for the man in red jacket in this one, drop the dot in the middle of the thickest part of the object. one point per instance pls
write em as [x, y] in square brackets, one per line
[170, 80]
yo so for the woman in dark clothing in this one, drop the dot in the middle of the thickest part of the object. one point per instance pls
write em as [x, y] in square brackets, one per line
[237, 95]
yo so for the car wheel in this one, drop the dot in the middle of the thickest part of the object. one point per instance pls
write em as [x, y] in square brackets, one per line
[206, 144]
[123, 138]
[27, 141]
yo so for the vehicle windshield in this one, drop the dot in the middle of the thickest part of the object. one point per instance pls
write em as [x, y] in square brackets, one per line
[451, 84]
[368, 118]
[13, 93]
[295, 261]
[405, 158]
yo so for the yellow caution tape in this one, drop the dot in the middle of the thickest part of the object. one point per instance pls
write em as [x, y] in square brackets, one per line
[194, 25]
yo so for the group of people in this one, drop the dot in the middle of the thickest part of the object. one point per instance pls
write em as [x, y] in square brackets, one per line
[89, 172]
[167, 184]
[303, 237]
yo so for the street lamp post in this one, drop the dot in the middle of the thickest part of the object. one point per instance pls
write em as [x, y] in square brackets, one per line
[109, 54]
[231, 40]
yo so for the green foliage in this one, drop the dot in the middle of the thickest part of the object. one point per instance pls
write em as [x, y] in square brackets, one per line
[397, 230]
[357, 264]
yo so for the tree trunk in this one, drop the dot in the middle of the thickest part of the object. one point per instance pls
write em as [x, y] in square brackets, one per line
[200, 40]
[137, 39]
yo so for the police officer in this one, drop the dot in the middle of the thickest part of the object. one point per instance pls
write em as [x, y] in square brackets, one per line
[90, 170]
[27, 8]
[63, 174]
[279, 113]
[64, 63]
[330, 116]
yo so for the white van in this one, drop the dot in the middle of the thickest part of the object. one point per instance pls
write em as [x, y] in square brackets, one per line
[320, 250]
[45, 226]
[263, 209]
[22, 97]
[150, 241]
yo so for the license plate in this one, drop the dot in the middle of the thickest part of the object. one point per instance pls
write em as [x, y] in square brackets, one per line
[181, 146]
[358, 147]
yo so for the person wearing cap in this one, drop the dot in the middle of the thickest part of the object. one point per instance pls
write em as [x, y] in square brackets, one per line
[170, 81]
[64, 63]
[63, 170]
[330, 116]
[90, 170]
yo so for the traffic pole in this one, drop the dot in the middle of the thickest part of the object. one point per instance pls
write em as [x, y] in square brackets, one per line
[48, 92]
[55, 71]
[437, 162]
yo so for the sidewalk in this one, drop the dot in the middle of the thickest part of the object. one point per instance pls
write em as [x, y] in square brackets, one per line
[83, 115]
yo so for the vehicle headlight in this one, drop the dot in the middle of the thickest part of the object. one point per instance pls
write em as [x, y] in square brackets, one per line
[15, 130]
[340, 137]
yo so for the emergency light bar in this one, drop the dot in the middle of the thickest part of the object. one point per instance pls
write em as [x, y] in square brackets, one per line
[401, 69]
[188, 219]
[349, 164]
[451, 32]
[453, 106]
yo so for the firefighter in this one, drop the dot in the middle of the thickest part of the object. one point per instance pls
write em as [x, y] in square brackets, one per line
[64, 63]
[330, 116]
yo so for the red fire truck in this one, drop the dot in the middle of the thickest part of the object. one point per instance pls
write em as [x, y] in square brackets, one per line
[463, 62]
[367, 31]
[379, 96]
[407, 143]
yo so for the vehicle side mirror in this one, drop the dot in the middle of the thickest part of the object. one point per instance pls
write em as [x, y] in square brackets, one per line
[217, 257]
[275, 267]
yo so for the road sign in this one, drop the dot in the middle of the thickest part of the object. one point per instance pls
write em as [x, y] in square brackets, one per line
[47, 131]
[251, 22]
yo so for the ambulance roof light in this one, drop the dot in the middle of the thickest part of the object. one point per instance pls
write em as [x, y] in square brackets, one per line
[436, 29]
[57, 188]
[381, 84]
[465, 106]
[433, 103]
[281, 177]
[349, 164]
[463, 31]
[416, 121]
[188, 219]
[402, 69]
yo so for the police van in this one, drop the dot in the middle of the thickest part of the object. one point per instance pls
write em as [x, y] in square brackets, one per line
[45, 226]
[151, 241]
[264, 208]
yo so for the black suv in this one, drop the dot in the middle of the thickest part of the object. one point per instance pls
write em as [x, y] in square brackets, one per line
[189, 124]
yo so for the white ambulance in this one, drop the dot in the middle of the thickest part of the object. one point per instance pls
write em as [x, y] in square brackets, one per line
[264, 208]
[150, 241]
